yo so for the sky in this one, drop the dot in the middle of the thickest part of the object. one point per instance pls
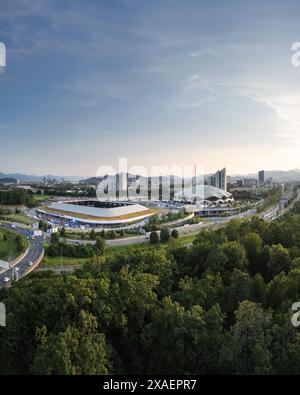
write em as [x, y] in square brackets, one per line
[171, 82]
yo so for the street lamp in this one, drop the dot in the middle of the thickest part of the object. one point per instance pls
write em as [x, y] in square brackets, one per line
[61, 252]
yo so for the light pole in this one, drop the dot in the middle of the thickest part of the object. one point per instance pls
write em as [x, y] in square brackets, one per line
[61, 251]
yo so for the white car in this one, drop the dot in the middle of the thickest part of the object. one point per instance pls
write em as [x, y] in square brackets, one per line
[6, 279]
[30, 263]
[17, 269]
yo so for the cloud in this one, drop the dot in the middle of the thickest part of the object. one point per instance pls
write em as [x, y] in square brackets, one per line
[202, 52]
[90, 92]
[194, 93]
[217, 50]
[194, 103]
[286, 108]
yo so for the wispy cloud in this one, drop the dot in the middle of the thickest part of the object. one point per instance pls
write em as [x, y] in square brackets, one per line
[217, 50]
[195, 93]
[90, 92]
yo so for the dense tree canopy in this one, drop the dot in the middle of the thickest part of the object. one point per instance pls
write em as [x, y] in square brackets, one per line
[17, 197]
[222, 305]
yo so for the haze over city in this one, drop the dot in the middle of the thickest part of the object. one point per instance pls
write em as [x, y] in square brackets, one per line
[170, 83]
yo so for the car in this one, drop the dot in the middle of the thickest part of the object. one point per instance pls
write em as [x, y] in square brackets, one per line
[30, 263]
[6, 279]
[17, 269]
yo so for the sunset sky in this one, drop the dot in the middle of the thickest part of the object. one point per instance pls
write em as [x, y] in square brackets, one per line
[171, 82]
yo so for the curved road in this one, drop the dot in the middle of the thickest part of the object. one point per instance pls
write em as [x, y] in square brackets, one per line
[36, 250]
[34, 254]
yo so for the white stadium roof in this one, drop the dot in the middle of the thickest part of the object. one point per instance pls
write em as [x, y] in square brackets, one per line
[99, 211]
[123, 214]
[203, 192]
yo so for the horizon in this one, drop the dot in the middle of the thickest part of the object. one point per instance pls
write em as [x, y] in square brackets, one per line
[252, 173]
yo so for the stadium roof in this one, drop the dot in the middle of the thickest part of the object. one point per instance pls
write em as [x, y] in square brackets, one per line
[204, 192]
[99, 211]
[98, 215]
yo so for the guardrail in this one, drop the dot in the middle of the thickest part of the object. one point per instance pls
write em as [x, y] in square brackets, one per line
[35, 264]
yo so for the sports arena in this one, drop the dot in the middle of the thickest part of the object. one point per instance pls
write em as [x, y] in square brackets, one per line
[96, 213]
[207, 196]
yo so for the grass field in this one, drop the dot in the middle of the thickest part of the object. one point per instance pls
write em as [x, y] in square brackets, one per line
[8, 248]
[21, 218]
[110, 251]
[66, 261]
[40, 198]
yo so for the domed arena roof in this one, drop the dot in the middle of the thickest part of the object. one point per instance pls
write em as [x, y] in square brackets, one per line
[205, 193]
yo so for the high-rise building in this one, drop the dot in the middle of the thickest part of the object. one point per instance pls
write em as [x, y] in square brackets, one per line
[219, 179]
[261, 177]
[250, 182]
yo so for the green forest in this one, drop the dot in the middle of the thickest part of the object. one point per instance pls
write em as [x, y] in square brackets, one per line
[17, 197]
[220, 306]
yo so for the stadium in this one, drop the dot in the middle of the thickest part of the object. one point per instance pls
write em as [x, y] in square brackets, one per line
[96, 213]
[206, 195]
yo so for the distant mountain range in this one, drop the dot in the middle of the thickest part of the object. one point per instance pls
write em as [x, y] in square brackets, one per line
[131, 178]
[277, 175]
[8, 180]
[34, 178]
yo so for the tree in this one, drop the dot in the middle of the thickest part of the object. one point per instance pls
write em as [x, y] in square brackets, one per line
[99, 247]
[258, 289]
[249, 347]
[279, 260]
[20, 241]
[154, 238]
[63, 232]
[111, 234]
[216, 260]
[172, 309]
[174, 234]
[277, 290]
[93, 234]
[183, 341]
[236, 255]
[55, 238]
[103, 234]
[164, 235]
[73, 351]
[43, 225]
[252, 243]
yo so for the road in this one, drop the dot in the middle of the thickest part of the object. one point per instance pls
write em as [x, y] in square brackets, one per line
[34, 254]
[36, 249]
[185, 230]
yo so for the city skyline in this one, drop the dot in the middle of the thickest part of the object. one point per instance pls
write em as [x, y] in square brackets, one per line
[172, 83]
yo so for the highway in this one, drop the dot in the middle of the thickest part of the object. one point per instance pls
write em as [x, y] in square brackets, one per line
[34, 254]
[36, 250]
[184, 230]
